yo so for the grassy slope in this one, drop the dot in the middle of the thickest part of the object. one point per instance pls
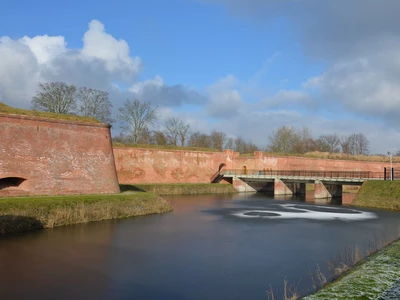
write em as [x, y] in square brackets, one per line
[182, 188]
[16, 111]
[27, 213]
[368, 280]
[327, 155]
[164, 147]
[379, 194]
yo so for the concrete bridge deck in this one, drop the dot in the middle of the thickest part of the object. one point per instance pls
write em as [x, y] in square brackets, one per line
[327, 184]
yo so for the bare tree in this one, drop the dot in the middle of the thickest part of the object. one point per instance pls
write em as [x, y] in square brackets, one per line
[240, 145]
[171, 130]
[230, 144]
[250, 148]
[217, 139]
[283, 139]
[94, 103]
[159, 138]
[305, 142]
[355, 144]
[345, 144]
[175, 130]
[136, 116]
[328, 143]
[359, 144]
[183, 131]
[244, 147]
[56, 97]
[199, 139]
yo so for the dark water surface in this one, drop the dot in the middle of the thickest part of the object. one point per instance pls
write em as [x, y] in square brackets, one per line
[209, 247]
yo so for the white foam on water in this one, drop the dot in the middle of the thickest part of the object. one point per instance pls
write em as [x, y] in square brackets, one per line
[303, 213]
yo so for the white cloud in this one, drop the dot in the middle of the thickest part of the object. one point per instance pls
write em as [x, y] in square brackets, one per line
[364, 86]
[159, 93]
[288, 98]
[25, 62]
[45, 47]
[224, 98]
[97, 44]
[140, 87]
[19, 72]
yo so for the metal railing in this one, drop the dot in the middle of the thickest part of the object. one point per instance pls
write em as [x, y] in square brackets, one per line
[312, 174]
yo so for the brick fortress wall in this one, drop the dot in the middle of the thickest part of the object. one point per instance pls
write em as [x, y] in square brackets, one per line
[52, 157]
[139, 165]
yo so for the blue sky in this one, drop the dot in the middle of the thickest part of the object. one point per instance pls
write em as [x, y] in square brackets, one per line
[243, 67]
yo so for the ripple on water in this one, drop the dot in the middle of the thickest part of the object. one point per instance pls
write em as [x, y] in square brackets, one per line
[293, 211]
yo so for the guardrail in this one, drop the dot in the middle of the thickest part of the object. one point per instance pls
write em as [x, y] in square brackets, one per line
[314, 174]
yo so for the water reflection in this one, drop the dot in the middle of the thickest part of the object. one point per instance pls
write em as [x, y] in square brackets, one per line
[201, 250]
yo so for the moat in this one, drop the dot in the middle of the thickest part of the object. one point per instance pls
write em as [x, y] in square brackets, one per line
[210, 247]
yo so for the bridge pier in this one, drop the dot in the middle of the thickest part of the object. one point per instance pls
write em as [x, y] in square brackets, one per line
[280, 188]
[241, 186]
[327, 190]
[283, 187]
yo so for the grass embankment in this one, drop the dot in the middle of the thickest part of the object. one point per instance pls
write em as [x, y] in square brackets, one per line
[17, 111]
[163, 147]
[379, 194]
[371, 279]
[28, 213]
[181, 188]
[328, 155]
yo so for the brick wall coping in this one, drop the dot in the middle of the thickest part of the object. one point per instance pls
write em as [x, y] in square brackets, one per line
[166, 149]
[49, 120]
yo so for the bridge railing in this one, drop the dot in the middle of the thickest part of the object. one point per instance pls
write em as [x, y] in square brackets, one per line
[306, 173]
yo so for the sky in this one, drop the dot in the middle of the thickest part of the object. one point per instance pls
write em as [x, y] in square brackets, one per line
[241, 67]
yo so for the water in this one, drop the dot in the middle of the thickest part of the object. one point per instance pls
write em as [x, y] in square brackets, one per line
[209, 247]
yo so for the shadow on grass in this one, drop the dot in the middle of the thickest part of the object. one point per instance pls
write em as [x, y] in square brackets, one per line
[14, 224]
[129, 187]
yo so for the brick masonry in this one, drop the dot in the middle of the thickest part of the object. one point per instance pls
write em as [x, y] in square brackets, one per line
[55, 157]
[137, 165]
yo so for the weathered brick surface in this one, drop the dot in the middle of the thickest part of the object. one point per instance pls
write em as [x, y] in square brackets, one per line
[312, 164]
[136, 165]
[56, 156]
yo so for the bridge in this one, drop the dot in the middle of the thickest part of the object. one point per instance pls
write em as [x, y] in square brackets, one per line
[327, 184]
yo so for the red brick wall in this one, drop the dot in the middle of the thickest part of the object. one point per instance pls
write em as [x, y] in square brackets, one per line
[301, 163]
[56, 156]
[137, 165]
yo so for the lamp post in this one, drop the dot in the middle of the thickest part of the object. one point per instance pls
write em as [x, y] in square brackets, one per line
[391, 175]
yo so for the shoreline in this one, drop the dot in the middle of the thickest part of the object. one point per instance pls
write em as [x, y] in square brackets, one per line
[375, 277]
[21, 214]
[164, 189]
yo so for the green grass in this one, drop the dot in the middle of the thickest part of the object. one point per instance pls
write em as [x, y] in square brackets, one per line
[327, 155]
[19, 214]
[181, 188]
[368, 280]
[379, 194]
[168, 147]
[17, 111]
